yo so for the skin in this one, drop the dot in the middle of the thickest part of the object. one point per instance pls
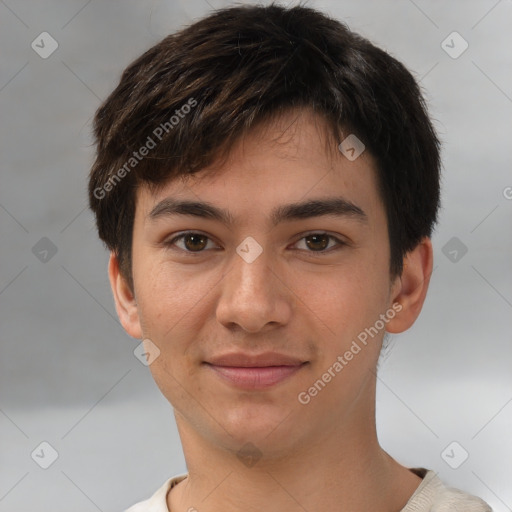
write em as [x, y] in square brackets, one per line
[310, 304]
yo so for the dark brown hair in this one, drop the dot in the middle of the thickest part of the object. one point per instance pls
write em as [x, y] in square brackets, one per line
[191, 96]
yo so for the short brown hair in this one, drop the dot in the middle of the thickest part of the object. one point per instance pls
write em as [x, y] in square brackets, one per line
[244, 65]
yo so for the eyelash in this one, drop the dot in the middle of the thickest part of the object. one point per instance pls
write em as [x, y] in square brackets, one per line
[171, 243]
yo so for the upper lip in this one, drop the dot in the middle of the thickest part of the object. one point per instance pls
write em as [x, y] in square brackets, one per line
[243, 360]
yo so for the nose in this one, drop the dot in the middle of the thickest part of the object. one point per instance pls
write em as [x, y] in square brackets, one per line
[254, 296]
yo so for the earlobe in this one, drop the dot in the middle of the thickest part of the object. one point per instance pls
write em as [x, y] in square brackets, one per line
[126, 305]
[410, 289]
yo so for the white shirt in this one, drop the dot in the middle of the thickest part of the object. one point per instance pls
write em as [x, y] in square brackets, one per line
[431, 496]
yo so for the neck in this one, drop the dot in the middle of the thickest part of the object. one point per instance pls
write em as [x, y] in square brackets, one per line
[339, 467]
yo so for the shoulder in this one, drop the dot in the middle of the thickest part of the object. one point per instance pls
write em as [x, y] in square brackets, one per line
[433, 496]
[454, 500]
[158, 501]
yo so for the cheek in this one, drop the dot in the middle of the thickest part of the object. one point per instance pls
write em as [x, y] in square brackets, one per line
[173, 303]
[343, 301]
[172, 310]
[156, 298]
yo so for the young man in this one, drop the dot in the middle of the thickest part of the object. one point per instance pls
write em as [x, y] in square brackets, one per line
[267, 182]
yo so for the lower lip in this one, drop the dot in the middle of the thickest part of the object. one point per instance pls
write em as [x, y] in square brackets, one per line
[255, 378]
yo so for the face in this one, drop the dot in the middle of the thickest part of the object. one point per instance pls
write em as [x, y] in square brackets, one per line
[289, 255]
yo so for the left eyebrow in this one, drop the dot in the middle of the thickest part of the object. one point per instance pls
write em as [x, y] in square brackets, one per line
[335, 206]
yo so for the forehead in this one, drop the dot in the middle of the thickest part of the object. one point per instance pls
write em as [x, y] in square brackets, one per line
[285, 160]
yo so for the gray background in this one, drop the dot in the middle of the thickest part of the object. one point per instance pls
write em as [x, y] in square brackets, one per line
[68, 374]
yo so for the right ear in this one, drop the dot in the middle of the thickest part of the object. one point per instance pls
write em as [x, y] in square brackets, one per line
[126, 305]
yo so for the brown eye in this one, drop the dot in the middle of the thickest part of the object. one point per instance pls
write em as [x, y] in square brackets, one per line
[190, 242]
[195, 241]
[321, 243]
[317, 242]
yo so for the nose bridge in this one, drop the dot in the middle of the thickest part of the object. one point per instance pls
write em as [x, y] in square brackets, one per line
[251, 273]
[250, 294]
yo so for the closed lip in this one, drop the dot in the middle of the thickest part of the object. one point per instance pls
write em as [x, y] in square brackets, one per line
[244, 360]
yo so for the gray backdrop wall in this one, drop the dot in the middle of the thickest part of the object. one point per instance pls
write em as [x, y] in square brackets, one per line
[68, 374]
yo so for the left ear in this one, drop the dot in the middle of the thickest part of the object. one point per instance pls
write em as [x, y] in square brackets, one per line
[410, 289]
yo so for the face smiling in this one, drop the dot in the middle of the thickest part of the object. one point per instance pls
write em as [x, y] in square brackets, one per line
[304, 297]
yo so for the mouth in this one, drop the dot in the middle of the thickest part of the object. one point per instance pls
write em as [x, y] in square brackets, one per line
[255, 377]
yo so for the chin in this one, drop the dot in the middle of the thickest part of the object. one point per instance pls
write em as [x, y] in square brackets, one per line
[261, 424]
